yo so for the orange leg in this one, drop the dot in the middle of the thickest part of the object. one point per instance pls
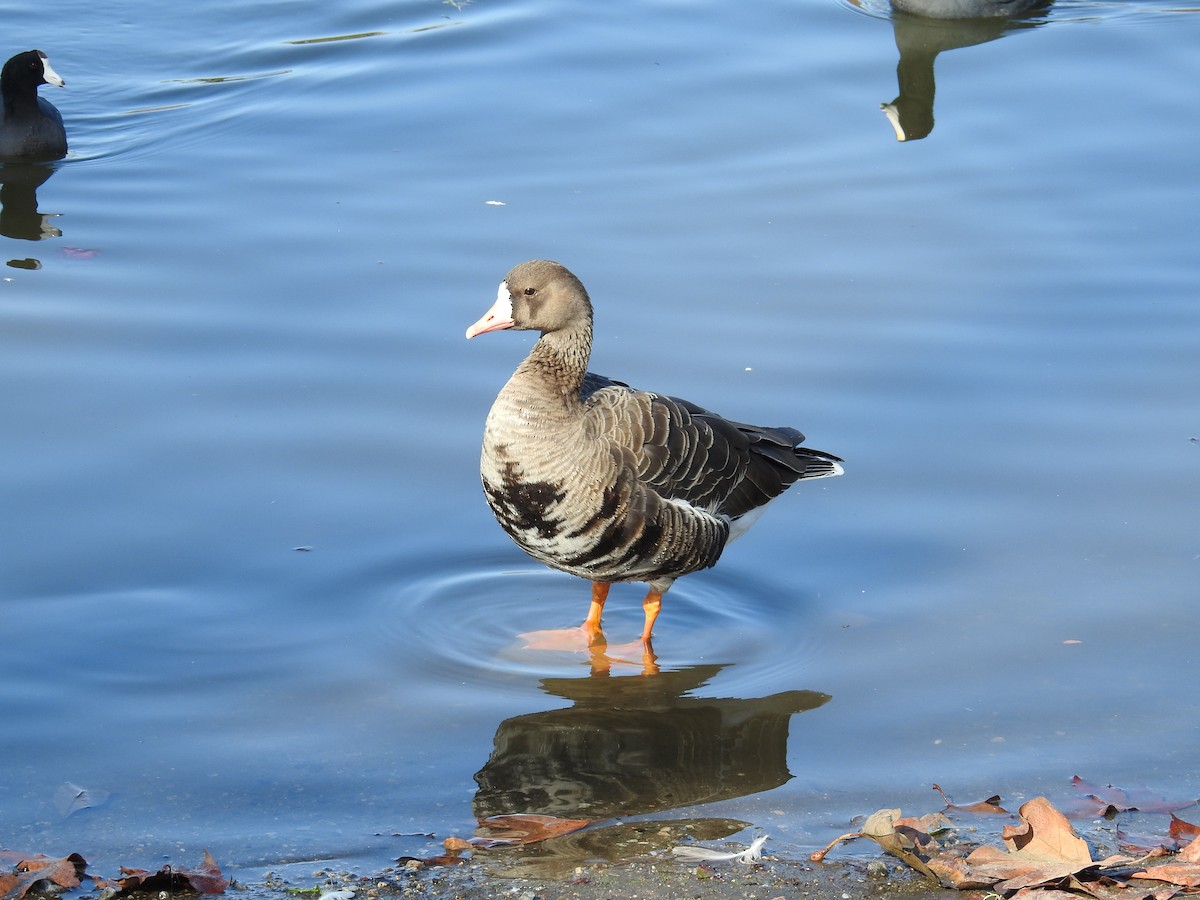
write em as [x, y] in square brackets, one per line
[649, 660]
[591, 625]
[602, 662]
[652, 606]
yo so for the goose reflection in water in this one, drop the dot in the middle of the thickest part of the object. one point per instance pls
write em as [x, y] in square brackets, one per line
[632, 745]
[924, 28]
[19, 216]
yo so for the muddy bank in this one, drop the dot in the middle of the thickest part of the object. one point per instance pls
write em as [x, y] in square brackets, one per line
[658, 879]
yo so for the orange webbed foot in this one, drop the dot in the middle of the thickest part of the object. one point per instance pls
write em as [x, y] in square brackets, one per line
[574, 639]
[571, 640]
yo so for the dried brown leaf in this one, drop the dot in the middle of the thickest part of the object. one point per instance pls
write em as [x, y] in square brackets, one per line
[524, 828]
[1140, 843]
[1191, 853]
[207, 878]
[1043, 858]
[1045, 878]
[1042, 851]
[915, 839]
[1182, 830]
[1184, 874]
[880, 822]
[900, 842]
[881, 828]
[990, 806]
[1109, 800]
[204, 879]
[928, 824]
[1045, 835]
[954, 871]
[1101, 887]
[996, 865]
[63, 871]
[819, 855]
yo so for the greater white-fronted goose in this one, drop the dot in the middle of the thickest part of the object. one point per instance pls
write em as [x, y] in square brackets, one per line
[32, 129]
[969, 9]
[610, 483]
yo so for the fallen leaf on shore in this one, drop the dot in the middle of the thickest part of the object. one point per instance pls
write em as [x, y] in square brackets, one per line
[819, 855]
[1191, 853]
[1182, 874]
[523, 828]
[1043, 848]
[1181, 830]
[901, 842]
[1043, 858]
[1144, 844]
[1107, 801]
[30, 869]
[204, 879]
[987, 866]
[1045, 834]
[990, 806]
[924, 826]
[881, 828]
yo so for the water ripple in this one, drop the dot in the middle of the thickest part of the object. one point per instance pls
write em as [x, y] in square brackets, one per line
[465, 615]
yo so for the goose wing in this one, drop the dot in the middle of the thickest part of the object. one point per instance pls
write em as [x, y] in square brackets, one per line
[685, 453]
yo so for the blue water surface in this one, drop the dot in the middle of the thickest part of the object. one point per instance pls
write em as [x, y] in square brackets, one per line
[249, 583]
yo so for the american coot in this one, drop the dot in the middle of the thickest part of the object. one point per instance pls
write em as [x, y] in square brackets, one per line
[609, 483]
[32, 127]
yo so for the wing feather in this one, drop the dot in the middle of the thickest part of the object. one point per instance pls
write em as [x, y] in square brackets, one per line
[685, 453]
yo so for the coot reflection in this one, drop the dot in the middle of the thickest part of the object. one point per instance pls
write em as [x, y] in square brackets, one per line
[19, 216]
[920, 39]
